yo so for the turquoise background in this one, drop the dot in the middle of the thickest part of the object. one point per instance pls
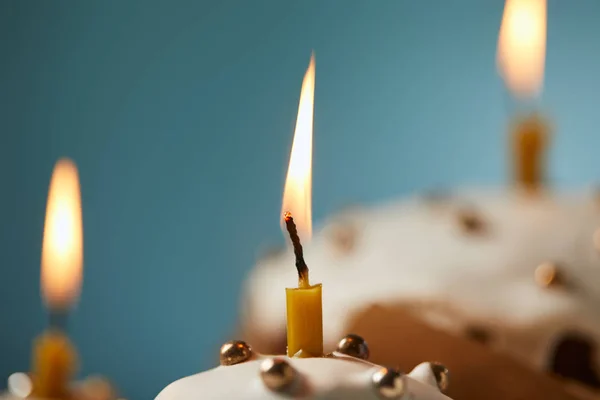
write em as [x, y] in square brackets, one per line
[180, 116]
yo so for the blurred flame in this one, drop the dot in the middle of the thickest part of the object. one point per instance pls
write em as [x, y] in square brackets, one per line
[522, 46]
[297, 193]
[62, 246]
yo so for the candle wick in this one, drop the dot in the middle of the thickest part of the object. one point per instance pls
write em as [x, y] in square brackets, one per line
[298, 252]
[58, 320]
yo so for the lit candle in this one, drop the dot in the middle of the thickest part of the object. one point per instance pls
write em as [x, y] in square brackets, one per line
[304, 303]
[54, 357]
[521, 61]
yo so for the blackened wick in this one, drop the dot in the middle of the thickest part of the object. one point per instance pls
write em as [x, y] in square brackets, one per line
[300, 263]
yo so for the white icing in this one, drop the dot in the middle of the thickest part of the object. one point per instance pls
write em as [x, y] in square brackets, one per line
[335, 378]
[20, 386]
[413, 252]
[422, 373]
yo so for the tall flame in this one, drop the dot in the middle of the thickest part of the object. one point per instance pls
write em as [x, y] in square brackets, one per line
[522, 46]
[297, 193]
[62, 246]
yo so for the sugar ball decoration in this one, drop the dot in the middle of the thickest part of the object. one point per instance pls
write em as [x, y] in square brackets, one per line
[390, 384]
[235, 352]
[354, 346]
[278, 375]
[441, 374]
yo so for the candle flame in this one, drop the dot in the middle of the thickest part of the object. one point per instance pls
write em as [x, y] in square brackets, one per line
[62, 246]
[297, 193]
[522, 46]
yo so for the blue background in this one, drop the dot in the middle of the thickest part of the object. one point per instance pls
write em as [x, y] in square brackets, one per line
[180, 116]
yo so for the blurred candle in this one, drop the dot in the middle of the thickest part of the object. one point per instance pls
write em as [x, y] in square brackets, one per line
[304, 303]
[530, 136]
[54, 357]
[521, 62]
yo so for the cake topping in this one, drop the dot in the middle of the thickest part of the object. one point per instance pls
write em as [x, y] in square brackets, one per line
[235, 352]
[278, 375]
[548, 275]
[333, 377]
[471, 222]
[389, 383]
[20, 385]
[442, 376]
[354, 346]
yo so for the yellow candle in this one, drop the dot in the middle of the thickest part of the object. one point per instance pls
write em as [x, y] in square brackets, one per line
[304, 306]
[54, 357]
[54, 364]
[304, 321]
[521, 62]
[530, 137]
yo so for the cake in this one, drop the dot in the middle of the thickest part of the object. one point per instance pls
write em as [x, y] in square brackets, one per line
[20, 386]
[344, 374]
[513, 270]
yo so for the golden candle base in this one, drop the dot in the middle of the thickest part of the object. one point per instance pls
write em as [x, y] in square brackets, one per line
[530, 138]
[54, 365]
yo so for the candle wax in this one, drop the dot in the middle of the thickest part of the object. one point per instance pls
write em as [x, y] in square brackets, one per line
[530, 136]
[54, 364]
[305, 321]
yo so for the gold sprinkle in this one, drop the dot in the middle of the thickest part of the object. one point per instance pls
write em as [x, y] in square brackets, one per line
[547, 275]
[470, 222]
